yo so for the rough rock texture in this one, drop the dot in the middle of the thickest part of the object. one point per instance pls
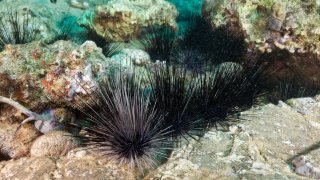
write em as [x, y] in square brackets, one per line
[41, 75]
[19, 146]
[268, 145]
[55, 143]
[122, 20]
[297, 20]
[285, 32]
[129, 57]
[263, 147]
[83, 167]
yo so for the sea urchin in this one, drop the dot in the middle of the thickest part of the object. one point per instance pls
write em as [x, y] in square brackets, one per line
[123, 125]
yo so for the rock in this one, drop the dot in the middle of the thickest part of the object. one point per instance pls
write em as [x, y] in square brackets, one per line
[27, 168]
[48, 168]
[91, 167]
[282, 33]
[254, 20]
[273, 142]
[54, 143]
[127, 57]
[15, 147]
[122, 20]
[305, 168]
[55, 77]
[262, 146]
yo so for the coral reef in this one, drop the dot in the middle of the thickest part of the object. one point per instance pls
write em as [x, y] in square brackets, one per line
[122, 20]
[286, 33]
[247, 150]
[270, 24]
[55, 74]
[129, 57]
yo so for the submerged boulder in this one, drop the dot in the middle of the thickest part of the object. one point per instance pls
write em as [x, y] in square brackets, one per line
[275, 142]
[285, 33]
[54, 144]
[48, 75]
[122, 20]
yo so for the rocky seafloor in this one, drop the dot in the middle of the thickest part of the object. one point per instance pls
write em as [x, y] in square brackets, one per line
[270, 141]
[276, 142]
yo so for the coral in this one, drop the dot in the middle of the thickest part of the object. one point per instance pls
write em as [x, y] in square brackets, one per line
[128, 57]
[52, 75]
[284, 34]
[285, 25]
[122, 20]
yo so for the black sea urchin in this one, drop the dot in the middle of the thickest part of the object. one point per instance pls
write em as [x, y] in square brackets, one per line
[19, 31]
[224, 91]
[292, 89]
[216, 43]
[123, 125]
[172, 88]
[159, 43]
[192, 101]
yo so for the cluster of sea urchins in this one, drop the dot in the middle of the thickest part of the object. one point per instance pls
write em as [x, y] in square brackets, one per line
[136, 118]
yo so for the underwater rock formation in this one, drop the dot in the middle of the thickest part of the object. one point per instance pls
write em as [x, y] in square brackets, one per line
[19, 146]
[261, 148]
[52, 75]
[286, 25]
[264, 147]
[55, 143]
[129, 57]
[287, 31]
[122, 20]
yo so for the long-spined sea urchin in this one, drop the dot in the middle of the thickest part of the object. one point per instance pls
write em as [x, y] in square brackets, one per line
[123, 125]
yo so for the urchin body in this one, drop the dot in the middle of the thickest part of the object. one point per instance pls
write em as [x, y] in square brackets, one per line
[125, 126]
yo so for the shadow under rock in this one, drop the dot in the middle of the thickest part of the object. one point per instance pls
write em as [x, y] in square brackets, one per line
[304, 152]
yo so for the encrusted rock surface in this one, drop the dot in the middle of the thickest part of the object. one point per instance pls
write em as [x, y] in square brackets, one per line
[289, 23]
[43, 75]
[267, 145]
[286, 33]
[122, 20]
[14, 147]
[62, 168]
[129, 57]
[55, 144]
[263, 147]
